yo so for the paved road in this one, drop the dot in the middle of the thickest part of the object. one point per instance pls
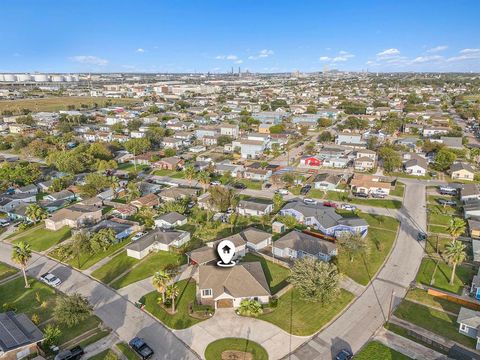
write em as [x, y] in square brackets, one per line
[371, 310]
[115, 311]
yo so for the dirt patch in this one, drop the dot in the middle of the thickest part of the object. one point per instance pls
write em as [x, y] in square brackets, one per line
[237, 355]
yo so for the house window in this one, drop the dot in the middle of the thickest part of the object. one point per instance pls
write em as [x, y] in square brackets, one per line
[464, 327]
[206, 292]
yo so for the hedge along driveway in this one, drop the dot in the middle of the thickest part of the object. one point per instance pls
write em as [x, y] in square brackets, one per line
[42, 239]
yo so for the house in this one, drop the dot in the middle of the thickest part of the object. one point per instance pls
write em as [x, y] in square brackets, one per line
[350, 140]
[475, 286]
[231, 130]
[60, 195]
[471, 208]
[469, 321]
[149, 201]
[74, 216]
[327, 181]
[255, 207]
[19, 336]
[297, 244]
[169, 163]
[177, 193]
[416, 165]
[435, 130]
[367, 184]
[122, 228]
[28, 189]
[338, 163]
[452, 142]
[227, 287]
[170, 220]
[249, 149]
[469, 191]
[364, 163]
[157, 240]
[202, 256]
[462, 171]
[324, 218]
[474, 227]
[309, 160]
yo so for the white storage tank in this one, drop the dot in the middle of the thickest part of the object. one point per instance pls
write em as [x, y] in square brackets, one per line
[9, 77]
[58, 78]
[24, 77]
[41, 77]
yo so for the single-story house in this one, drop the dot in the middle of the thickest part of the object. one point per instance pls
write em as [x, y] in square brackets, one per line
[255, 207]
[474, 227]
[227, 287]
[157, 240]
[122, 228]
[326, 181]
[364, 163]
[297, 244]
[27, 189]
[170, 220]
[469, 321]
[74, 216]
[149, 201]
[309, 160]
[202, 256]
[416, 165]
[471, 208]
[60, 195]
[169, 163]
[367, 184]
[177, 193]
[462, 171]
[469, 191]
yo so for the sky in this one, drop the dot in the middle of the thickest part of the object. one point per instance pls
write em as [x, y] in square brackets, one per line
[255, 35]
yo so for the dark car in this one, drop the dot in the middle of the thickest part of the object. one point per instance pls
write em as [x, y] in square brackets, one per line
[141, 348]
[239, 186]
[268, 186]
[74, 353]
[360, 194]
[421, 236]
[344, 355]
[447, 202]
[304, 190]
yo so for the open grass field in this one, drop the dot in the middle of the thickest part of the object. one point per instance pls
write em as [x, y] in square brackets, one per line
[60, 103]
[299, 317]
[6, 271]
[42, 239]
[215, 349]
[276, 275]
[375, 350]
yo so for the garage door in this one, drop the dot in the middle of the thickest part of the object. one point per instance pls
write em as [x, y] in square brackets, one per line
[225, 303]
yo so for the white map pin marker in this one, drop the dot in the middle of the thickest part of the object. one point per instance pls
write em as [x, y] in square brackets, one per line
[226, 250]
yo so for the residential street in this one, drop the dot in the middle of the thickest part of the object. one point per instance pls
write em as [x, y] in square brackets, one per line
[371, 310]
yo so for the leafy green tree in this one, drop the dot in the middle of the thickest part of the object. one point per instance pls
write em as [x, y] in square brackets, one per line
[352, 243]
[277, 129]
[288, 220]
[102, 240]
[444, 159]
[277, 202]
[21, 255]
[170, 206]
[133, 192]
[221, 197]
[146, 216]
[315, 280]
[455, 254]
[325, 137]
[189, 173]
[224, 139]
[288, 179]
[311, 109]
[35, 213]
[100, 151]
[134, 125]
[203, 178]
[324, 122]
[72, 309]
[250, 308]
[391, 159]
[80, 244]
[138, 146]
[51, 334]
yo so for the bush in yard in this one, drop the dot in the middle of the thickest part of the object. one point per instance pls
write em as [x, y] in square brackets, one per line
[51, 334]
[250, 308]
[72, 309]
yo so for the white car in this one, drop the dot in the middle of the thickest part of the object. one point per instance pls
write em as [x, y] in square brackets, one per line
[50, 279]
[348, 207]
[137, 236]
[309, 201]
[282, 191]
[215, 183]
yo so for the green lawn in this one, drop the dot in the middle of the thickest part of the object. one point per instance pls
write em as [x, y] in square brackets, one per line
[164, 172]
[433, 320]
[131, 167]
[6, 271]
[251, 184]
[399, 189]
[344, 197]
[181, 319]
[422, 296]
[42, 239]
[316, 194]
[437, 229]
[103, 355]
[375, 350]
[436, 243]
[148, 266]
[116, 266]
[127, 351]
[276, 275]
[380, 239]
[215, 349]
[441, 275]
[300, 317]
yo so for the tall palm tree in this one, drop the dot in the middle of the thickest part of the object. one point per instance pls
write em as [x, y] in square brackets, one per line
[172, 292]
[190, 173]
[455, 254]
[35, 213]
[456, 227]
[203, 178]
[160, 281]
[21, 254]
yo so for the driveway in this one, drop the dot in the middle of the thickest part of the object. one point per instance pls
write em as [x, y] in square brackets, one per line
[225, 323]
[371, 310]
[115, 311]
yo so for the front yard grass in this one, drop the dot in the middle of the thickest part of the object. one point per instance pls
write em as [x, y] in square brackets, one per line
[181, 319]
[399, 189]
[251, 184]
[375, 350]
[42, 239]
[441, 275]
[116, 266]
[103, 355]
[345, 197]
[163, 172]
[436, 243]
[215, 349]
[422, 296]
[299, 317]
[148, 266]
[433, 320]
[127, 351]
[6, 271]
[276, 275]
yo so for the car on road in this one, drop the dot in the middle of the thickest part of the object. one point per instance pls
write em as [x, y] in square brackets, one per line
[447, 202]
[361, 194]
[215, 183]
[421, 236]
[344, 355]
[281, 191]
[330, 204]
[239, 186]
[348, 207]
[141, 348]
[138, 235]
[304, 190]
[71, 354]
[50, 279]
[309, 201]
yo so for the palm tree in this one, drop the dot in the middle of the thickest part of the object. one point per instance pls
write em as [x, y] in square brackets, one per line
[172, 292]
[455, 254]
[456, 227]
[203, 178]
[132, 191]
[265, 220]
[250, 308]
[114, 185]
[21, 254]
[160, 281]
[189, 173]
[35, 213]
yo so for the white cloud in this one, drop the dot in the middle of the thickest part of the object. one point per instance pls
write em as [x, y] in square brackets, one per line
[388, 53]
[426, 59]
[325, 58]
[437, 49]
[341, 57]
[261, 54]
[140, 50]
[227, 57]
[466, 54]
[89, 60]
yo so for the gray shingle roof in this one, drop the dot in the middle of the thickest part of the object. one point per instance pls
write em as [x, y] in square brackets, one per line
[303, 242]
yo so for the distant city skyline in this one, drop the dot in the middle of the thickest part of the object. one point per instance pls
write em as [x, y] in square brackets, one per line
[259, 36]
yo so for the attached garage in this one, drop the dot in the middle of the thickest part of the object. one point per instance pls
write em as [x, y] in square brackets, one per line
[225, 303]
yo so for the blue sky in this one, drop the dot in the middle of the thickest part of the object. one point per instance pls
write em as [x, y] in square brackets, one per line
[262, 36]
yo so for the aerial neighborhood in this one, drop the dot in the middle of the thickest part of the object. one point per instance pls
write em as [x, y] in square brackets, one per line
[336, 189]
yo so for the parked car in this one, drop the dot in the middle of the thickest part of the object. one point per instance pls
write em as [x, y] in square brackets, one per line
[141, 348]
[50, 279]
[191, 204]
[348, 207]
[268, 186]
[344, 355]
[361, 194]
[239, 186]
[421, 236]
[4, 222]
[72, 354]
[304, 190]
[447, 202]
[281, 191]
[138, 235]
[330, 204]
[309, 201]
[215, 183]
[378, 195]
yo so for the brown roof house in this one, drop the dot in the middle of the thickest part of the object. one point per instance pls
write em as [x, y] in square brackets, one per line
[74, 216]
[227, 287]
[149, 201]
[462, 171]
[169, 163]
[157, 240]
